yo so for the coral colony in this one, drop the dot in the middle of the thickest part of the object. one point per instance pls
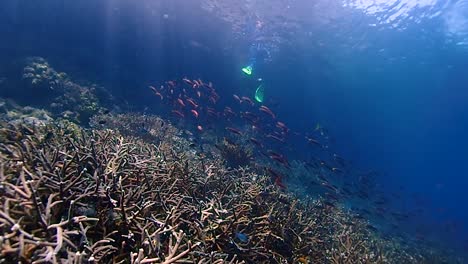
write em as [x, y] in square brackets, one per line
[138, 188]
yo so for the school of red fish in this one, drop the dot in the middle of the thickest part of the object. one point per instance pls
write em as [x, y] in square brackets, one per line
[244, 121]
[197, 103]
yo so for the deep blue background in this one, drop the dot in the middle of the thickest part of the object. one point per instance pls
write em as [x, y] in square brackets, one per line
[394, 99]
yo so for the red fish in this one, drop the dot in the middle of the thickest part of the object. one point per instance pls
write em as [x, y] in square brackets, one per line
[215, 95]
[212, 99]
[249, 116]
[237, 98]
[339, 159]
[234, 130]
[274, 173]
[313, 141]
[337, 170]
[256, 128]
[267, 111]
[228, 111]
[178, 113]
[256, 142]
[275, 138]
[156, 92]
[172, 83]
[277, 178]
[194, 113]
[180, 102]
[160, 95]
[279, 183]
[324, 164]
[191, 102]
[211, 111]
[282, 126]
[199, 128]
[187, 81]
[329, 186]
[198, 94]
[279, 158]
[153, 88]
[248, 100]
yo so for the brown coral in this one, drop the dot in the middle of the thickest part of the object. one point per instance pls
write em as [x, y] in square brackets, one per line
[72, 195]
[234, 155]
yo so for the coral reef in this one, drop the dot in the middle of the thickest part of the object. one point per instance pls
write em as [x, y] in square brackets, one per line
[106, 196]
[40, 74]
[134, 188]
[15, 114]
[59, 93]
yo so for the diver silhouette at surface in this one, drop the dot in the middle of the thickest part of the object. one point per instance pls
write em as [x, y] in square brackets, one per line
[257, 53]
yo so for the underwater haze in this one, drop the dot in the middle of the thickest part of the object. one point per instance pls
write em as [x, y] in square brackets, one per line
[381, 84]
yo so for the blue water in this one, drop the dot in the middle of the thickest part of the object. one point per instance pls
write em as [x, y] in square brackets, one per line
[388, 79]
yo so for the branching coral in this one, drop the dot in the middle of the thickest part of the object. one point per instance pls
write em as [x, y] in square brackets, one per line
[73, 195]
[149, 128]
[235, 155]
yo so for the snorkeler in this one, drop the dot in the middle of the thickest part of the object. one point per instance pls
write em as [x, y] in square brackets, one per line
[257, 51]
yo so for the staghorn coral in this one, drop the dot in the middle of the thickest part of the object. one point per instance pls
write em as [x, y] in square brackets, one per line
[147, 127]
[74, 195]
[234, 154]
